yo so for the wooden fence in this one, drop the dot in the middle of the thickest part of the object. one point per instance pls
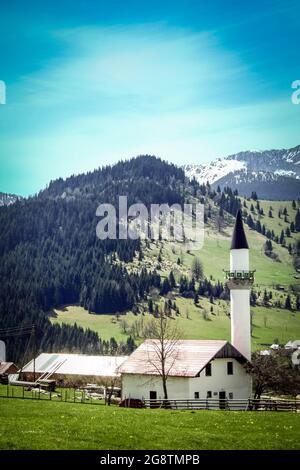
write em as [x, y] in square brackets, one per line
[225, 404]
[69, 395]
[80, 396]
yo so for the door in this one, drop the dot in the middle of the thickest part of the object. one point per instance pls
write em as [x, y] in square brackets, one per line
[222, 400]
[153, 396]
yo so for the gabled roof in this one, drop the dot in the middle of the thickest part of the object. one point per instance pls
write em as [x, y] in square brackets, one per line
[187, 359]
[239, 240]
[5, 366]
[76, 364]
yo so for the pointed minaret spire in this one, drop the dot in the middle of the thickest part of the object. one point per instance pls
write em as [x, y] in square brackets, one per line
[239, 240]
[239, 281]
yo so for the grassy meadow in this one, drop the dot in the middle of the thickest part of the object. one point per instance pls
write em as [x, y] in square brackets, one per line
[45, 425]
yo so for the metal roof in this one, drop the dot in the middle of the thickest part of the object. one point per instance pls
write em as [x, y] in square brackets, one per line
[188, 357]
[76, 364]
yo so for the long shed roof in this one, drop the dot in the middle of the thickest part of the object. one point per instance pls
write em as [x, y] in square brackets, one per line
[186, 358]
[76, 364]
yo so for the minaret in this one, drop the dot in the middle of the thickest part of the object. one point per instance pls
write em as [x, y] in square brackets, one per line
[239, 281]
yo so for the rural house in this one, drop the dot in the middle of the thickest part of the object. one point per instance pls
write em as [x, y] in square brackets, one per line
[202, 369]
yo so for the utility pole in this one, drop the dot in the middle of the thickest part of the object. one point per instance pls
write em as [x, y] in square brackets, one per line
[34, 349]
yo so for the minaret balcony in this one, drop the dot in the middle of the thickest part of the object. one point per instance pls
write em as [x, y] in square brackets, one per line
[239, 279]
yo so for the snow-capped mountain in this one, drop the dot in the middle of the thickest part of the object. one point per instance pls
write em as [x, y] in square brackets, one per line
[273, 174]
[7, 199]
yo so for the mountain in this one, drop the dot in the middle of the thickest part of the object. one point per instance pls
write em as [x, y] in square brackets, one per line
[273, 174]
[50, 255]
[7, 199]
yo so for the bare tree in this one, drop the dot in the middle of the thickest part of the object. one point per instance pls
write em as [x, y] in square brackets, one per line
[163, 335]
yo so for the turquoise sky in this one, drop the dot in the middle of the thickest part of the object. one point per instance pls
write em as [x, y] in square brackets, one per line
[91, 82]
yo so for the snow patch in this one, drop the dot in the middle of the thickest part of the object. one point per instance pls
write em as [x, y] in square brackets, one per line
[213, 171]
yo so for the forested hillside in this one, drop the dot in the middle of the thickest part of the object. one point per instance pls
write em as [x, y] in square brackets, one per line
[50, 254]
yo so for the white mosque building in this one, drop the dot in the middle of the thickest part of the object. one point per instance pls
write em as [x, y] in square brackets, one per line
[202, 369]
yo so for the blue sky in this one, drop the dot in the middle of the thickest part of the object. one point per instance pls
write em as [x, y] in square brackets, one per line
[91, 82]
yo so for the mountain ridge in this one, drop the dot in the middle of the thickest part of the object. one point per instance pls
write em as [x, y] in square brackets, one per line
[275, 173]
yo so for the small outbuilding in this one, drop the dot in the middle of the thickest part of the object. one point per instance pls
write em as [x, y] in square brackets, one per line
[7, 368]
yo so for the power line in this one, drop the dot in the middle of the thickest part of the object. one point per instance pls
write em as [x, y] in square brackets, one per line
[16, 331]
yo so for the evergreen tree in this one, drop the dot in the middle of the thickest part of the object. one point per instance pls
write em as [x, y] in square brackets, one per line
[288, 304]
[172, 280]
[197, 268]
[297, 221]
[298, 302]
[258, 226]
[150, 306]
[165, 288]
[250, 222]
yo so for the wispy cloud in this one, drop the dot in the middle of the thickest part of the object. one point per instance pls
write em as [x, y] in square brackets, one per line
[119, 91]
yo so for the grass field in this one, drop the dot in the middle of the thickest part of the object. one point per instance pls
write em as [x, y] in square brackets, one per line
[268, 323]
[37, 425]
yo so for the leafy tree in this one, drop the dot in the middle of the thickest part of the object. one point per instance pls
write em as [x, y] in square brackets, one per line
[273, 373]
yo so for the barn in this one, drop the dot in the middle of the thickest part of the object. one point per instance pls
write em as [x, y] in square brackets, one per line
[7, 368]
[198, 369]
[73, 368]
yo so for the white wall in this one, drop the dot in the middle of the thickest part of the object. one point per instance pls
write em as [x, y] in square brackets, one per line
[239, 384]
[239, 260]
[139, 386]
[240, 321]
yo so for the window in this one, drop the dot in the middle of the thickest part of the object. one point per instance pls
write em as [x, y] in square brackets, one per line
[196, 395]
[208, 370]
[209, 394]
[230, 395]
[153, 395]
[229, 368]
